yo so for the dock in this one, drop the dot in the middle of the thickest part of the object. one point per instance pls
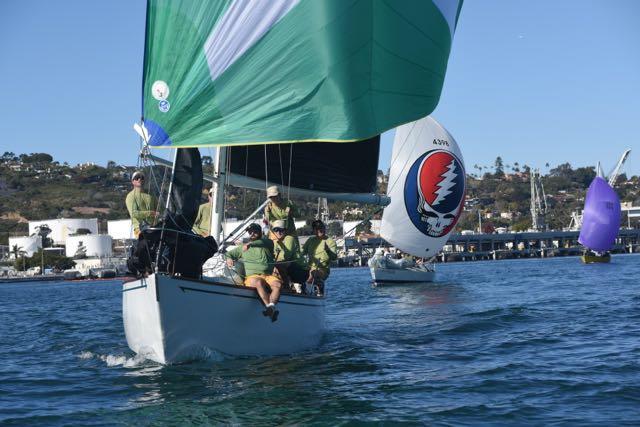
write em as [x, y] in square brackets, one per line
[496, 246]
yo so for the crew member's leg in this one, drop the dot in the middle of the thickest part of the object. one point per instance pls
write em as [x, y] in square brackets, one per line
[260, 285]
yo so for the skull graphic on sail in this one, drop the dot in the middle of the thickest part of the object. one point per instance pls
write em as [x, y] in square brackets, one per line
[440, 184]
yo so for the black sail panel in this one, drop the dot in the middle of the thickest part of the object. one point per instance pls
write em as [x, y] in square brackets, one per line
[186, 190]
[318, 166]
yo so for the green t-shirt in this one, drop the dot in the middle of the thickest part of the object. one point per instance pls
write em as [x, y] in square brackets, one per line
[320, 252]
[287, 213]
[203, 220]
[258, 259]
[142, 207]
[288, 249]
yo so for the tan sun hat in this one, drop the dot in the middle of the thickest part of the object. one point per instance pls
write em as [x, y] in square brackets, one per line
[279, 223]
[273, 191]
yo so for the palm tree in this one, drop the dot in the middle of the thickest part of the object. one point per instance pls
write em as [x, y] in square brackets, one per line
[22, 254]
[16, 250]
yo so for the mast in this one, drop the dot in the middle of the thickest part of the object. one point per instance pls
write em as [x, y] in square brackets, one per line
[217, 210]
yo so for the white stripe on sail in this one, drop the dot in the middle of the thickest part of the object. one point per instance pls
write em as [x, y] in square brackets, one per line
[449, 9]
[242, 25]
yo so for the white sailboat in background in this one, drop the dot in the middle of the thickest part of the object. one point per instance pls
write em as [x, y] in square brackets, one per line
[227, 75]
[427, 187]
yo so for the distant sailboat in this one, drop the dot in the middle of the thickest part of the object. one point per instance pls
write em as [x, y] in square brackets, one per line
[600, 221]
[427, 188]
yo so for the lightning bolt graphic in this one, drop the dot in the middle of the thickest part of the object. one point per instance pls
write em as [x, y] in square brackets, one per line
[445, 185]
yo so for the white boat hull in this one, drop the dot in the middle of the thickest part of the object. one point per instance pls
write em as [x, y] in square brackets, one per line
[170, 319]
[398, 276]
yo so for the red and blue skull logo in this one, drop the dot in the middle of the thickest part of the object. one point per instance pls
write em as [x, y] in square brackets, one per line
[434, 192]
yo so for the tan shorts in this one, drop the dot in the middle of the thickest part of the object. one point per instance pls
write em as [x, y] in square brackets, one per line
[269, 278]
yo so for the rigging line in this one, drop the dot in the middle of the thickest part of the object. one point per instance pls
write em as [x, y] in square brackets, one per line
[281, 170]
[401, 146]
[246, 173]
[173, 171]
[160, 188]
[391, 186]
[290, 163]
[153, 181]
[266, 169]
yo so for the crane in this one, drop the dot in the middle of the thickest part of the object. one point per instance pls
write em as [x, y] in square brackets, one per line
[616, 171]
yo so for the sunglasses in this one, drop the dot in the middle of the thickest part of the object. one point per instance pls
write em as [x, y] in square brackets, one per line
[278, 230]
[138, 178]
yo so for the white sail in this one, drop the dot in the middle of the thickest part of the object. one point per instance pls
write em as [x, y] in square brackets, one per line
[426, 187]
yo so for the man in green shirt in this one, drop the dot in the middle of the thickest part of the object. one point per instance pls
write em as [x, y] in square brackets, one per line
[142, 207]
[202, 224]
[321, 250]
[257, 257]
[290, 264]
[279, 209]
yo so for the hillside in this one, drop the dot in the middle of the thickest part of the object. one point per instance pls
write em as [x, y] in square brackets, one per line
[35, 186]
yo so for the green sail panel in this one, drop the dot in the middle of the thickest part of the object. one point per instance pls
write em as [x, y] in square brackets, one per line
[242, 72]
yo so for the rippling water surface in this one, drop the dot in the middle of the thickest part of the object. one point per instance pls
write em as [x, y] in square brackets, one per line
[506, 342]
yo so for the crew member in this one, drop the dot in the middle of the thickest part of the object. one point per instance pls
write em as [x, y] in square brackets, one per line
[321, 250]
[279, 209]
[290, 264]
[202, 224]
[257, 256]
[142, 206]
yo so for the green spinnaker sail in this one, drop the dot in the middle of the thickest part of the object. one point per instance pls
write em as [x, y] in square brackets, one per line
[240, 72]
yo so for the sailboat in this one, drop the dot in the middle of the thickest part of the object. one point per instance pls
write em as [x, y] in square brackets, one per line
[288, 92]
[426, 187]
[600, 221]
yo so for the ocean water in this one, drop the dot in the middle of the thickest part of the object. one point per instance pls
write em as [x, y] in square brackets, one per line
[490, 343]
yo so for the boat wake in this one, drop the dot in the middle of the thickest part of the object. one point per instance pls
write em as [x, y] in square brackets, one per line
[112, 360]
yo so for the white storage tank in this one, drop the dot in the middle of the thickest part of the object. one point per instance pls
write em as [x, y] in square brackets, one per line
[64, 227]
[89, 245]
[28, 244]
[120, 229]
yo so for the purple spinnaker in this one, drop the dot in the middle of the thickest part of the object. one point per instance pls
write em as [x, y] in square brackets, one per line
[601, 217]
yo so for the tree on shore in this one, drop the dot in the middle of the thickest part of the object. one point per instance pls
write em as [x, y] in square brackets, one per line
[499, 167]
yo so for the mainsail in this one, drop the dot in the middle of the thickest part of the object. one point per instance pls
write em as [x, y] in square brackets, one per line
[321, 167]
[426, 187]
[241, 72]
[601, 217]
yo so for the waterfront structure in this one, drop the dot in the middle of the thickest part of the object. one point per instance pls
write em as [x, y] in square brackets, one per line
[27, 245]
[88, 246]
[61, 228]
[547, 243]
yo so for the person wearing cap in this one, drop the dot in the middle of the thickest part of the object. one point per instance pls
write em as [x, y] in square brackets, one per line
[202, 224]
[279, 209]
[320, 250]
[289, 262]
[258, 260]
[142, 206]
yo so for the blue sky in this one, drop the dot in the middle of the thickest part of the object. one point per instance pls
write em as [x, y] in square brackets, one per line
[534, 82]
